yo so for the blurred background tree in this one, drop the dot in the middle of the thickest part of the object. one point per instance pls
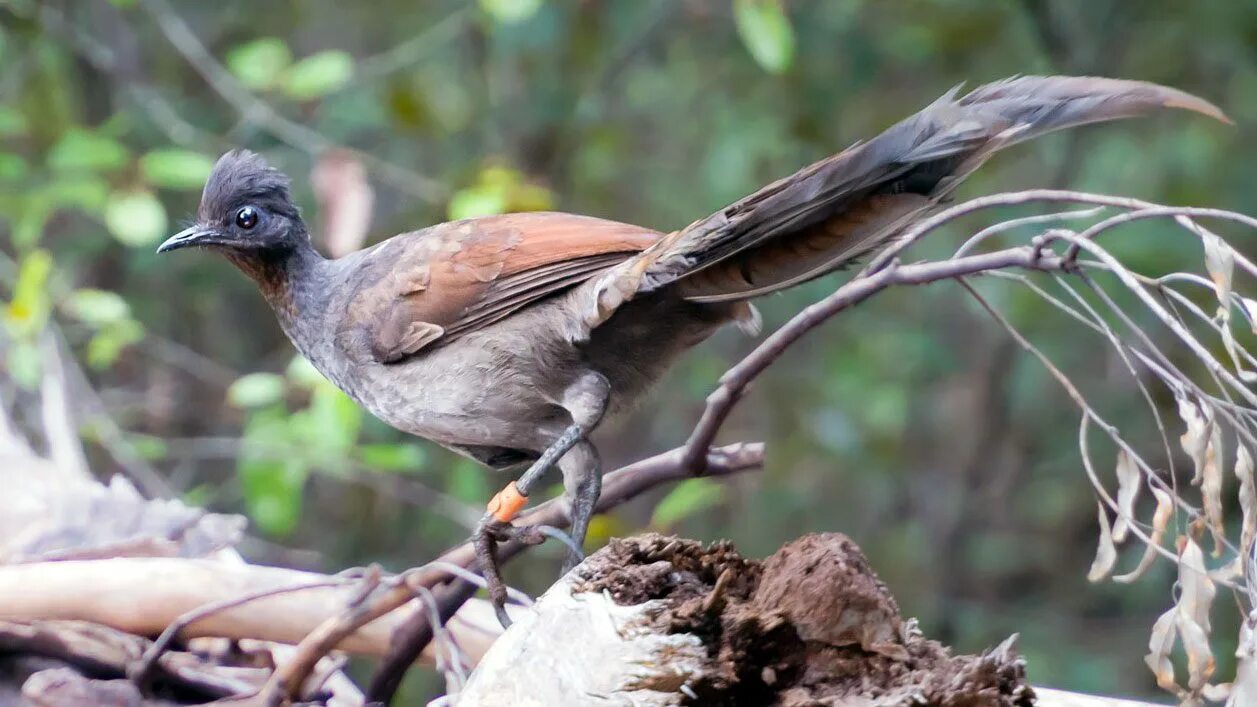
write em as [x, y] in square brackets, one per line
[911, 424]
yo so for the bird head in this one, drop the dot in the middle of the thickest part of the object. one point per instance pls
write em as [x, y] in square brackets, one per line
[245, 210]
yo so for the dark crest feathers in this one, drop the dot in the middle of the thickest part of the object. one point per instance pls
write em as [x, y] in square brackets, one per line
[244, 177]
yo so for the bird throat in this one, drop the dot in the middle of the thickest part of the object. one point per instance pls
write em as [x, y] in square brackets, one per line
[291, 279]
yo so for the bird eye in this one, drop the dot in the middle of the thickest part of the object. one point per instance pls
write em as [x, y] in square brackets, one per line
[247, 217]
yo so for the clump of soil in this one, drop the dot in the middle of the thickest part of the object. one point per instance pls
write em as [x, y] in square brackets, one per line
[811, 625]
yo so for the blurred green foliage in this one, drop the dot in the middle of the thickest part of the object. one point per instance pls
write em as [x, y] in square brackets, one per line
[910, 423]
[766, 31]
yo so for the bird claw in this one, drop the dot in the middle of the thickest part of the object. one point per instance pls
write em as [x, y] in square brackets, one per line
[503, 617]
[489, 533]
[505, 532]
[574, 558]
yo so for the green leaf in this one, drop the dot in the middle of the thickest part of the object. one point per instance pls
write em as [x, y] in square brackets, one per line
[31, 221]
[686, 499]
[12, 167]
[272, 492]
[765, 30]
[176, 169]
[97, 307]
[303, 373]
[109, 342]
[499, 177]
[268, 434]
[510, 11]
[531, 197]
[318, 75]
[28, 311]
[259, 64]
[24, 363]
[81, 150]
[135, 218]
[334, 420]
[392, 457]
[467, 482]
[255, 390]
[84, 191]
[12, 122]
[498, 190]
[148, 446]
[479, 200]
[199, 495]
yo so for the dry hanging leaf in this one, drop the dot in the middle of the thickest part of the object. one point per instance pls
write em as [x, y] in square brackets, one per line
[1106, 553]
[1211, 487]
[1250, 308]
[1195, 600]
[1127, 493]
[1216, 693]
[1229, 572]
[1195, 440]
[345, 199]
[1196, 589]
[1232, 348]
[1160, 643]
[1248, 503]
[1160, 519]
[1219, 261]
[1200, 662]
[1244, 689]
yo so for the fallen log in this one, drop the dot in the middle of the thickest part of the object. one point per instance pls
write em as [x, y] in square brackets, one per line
[143, 595]
[654, 621]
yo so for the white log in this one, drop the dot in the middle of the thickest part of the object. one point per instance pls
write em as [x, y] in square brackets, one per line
[143, 595]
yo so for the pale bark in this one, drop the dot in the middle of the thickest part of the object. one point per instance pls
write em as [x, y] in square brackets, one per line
[144, 595]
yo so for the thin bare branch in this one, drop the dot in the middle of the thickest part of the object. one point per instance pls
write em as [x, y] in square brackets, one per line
[254, 110]
[734, 382]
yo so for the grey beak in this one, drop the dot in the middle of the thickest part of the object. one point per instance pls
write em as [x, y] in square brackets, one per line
[188, 236]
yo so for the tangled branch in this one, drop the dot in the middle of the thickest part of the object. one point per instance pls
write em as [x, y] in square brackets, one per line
[1224, 408]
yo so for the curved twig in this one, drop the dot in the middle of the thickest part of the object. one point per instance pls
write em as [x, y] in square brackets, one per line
[734, 382]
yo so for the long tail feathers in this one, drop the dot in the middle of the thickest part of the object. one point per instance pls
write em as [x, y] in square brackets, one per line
[1048, 103]
[840, 208]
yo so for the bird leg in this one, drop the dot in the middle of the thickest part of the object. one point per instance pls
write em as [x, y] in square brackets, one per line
[489, 532]
[585, 400]
[582, 482]
[496, 526]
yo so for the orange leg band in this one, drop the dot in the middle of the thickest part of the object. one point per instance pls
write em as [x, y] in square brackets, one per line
[507, 503]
